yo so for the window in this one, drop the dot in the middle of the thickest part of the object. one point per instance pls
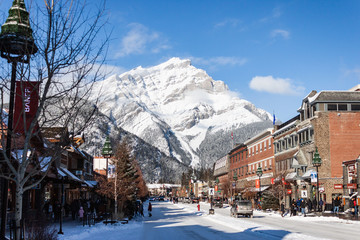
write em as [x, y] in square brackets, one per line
[355, 107]
[269, 143]
[332, 107]
[342, 107]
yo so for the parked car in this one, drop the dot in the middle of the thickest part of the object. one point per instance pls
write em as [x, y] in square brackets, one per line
[241, 207]
[218, 202]
[161, 198]
[186, 200]
[151, 199]
[195, 200]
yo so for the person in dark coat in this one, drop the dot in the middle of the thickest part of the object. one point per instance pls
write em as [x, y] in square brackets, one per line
[321, 203]
[302, 206]
[309, 205]
[315, 206]
[337, 203]
[149, 209]
[293, 208]
[282, 209]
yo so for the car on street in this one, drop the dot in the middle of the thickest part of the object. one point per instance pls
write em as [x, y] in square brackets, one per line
[241, 207]
[186, 200]
[218, 202]
[161, 198]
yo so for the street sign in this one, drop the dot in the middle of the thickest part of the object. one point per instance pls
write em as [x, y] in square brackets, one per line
[211, 191]
[303, 193]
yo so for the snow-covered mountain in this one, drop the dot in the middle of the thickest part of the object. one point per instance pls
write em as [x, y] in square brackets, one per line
[180, 110]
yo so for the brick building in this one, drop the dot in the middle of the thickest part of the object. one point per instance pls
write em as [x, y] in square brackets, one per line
[221, 170]
[247, 157]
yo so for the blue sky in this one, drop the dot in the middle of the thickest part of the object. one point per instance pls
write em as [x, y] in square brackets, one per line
[273, 53]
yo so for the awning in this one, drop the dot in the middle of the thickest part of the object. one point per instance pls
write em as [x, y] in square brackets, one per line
[308, 173]
[90, 183]
[66, 173]
[290, 176]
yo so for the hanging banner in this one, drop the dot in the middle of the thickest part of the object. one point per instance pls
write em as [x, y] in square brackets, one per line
[26, 105]
[257, 183]
[273, 181]
[313, 177]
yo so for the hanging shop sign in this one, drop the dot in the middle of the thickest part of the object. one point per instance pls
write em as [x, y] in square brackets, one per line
[338, 186]
[288, 191]
[351, 186]
[303, 193]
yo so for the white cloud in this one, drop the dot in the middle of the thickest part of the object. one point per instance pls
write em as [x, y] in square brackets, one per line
[280, 32]
[228, 22]
[140, 39]
[219, 61]
[283, 86]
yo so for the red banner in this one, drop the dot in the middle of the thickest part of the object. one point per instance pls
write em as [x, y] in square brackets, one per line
[257, 183]
[288, 191]
[272, 180]
[26, 105]
[216, 188]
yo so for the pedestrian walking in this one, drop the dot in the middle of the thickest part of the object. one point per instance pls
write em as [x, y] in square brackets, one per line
[321, 203]
[302, 206]
[309, 205]
[150, 209]
[141, 209]
[293, 208]
[315, 206]
[81, 214]
[337, 203]
[282, 209]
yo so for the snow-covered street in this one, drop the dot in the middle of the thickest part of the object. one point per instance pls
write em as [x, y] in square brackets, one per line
[183, 221]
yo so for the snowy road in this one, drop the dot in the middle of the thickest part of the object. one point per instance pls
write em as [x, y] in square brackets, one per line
[183, 222]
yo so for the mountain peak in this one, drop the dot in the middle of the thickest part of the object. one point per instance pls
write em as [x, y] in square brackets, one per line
[175, 62]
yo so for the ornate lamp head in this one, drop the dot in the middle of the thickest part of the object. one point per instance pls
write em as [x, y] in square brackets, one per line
[16, 38]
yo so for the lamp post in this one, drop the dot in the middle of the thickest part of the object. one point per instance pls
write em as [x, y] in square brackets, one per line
[235, 179]
[62, 205]
[16, 45]
[259, 172]
[107, 152]
[316, 161]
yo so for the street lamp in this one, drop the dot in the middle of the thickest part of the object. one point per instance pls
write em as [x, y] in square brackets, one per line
[16, 45]
[316, 161]
[259, 172]
[235, 179]
[107, 152]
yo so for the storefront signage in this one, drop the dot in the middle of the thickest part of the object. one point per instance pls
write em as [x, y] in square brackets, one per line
[351, 186]
[338, 186]
[272, 180]
[288, 191]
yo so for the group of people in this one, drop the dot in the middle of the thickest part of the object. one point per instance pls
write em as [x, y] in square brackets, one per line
[304, 206]
[77, 208]
[140, 208]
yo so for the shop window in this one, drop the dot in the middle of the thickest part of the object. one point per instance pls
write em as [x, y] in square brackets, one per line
[332, 107]
[342, 107]
[355, 107]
